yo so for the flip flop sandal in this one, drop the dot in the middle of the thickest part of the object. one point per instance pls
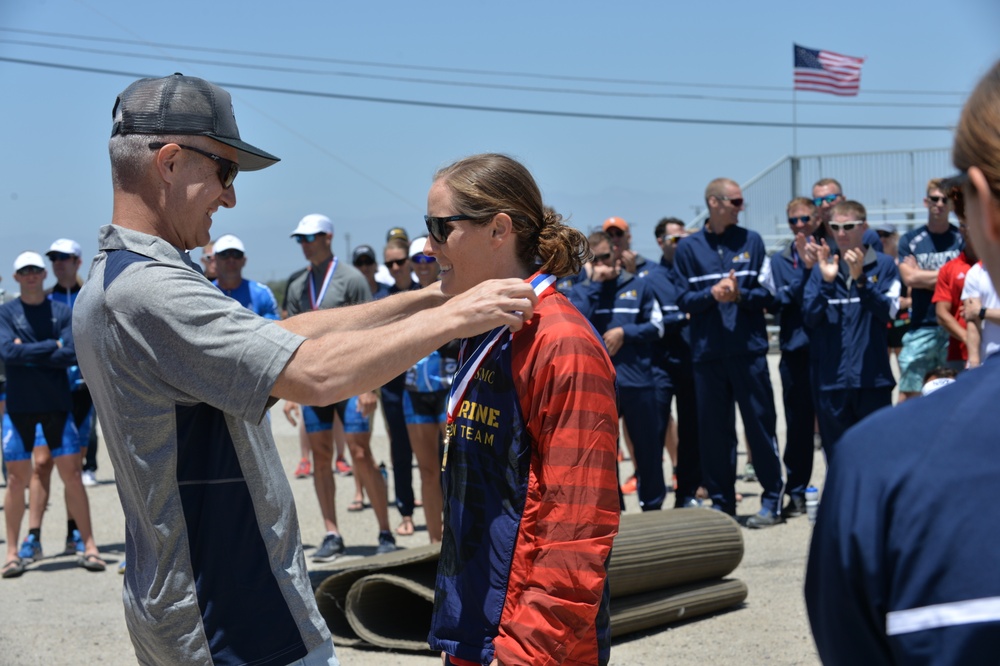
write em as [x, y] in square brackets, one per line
[92, 562]
[13, 568]
[356, 506]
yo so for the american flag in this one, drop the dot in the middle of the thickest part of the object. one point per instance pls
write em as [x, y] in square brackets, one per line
[828, 72]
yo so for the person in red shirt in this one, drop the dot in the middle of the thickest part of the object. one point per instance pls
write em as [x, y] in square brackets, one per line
[947, 301]
[529, 467]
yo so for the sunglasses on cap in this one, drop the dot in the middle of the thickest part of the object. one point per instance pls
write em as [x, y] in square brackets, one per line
[395, 263]
[229, 254]
[306, 238]
[844, 226]
[830, 198]
[30, 270]
[59, 256]
[440, 227]
[801, 219]
[227, 168]
[422, 259]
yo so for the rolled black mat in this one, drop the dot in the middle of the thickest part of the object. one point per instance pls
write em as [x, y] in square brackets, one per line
[331, 594]
[660, 549]
[392, 611]
[646, 610]
[658, 560]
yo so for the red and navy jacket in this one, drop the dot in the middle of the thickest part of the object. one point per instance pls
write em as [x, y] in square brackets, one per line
[849, 334]
[531, 499]
[722, 330]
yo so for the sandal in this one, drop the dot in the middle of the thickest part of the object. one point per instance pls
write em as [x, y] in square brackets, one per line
[356, 505]
[92, 562]
[406, 527]
[13, 568]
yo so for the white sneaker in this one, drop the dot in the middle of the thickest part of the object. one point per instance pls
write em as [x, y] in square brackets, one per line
[89, 479]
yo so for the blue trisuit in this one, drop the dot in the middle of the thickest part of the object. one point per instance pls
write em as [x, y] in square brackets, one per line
[729, 354]
[630, 303]
[786, 281]
[848, 319]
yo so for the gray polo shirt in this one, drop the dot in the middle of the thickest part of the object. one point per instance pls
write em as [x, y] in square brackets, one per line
[181, 376]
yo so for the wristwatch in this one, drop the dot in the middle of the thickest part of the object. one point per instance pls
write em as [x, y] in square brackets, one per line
[982, 314]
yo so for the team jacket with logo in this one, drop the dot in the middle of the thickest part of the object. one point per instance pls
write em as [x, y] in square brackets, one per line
[849, 334]
[628, 302]
[786, 280]
[722, 330]
[531, 499]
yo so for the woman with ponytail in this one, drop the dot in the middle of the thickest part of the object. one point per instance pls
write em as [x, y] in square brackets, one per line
[529, 472]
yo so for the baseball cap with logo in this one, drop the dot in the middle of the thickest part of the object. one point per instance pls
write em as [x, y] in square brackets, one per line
[314, 223]
[397, 232]
[363, 251]
[187, 106]
[617, 223]
[64, 246]
[26, 259]
[228, 242]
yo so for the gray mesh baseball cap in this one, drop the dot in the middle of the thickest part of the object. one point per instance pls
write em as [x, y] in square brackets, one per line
[184, 105]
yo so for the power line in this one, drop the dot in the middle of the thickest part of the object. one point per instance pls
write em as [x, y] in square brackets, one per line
[496, 109]
[453, 70]
[471, 84]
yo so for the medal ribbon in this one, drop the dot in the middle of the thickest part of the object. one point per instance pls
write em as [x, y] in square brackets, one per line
[468, 369]
[313, 300]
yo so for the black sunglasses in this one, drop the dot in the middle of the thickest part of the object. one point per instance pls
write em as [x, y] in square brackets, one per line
[603, 258]
[229, 254]
[30, 270]
[364, 261]
[737, 203]
[937, 200]
[801, 219]
[59, 256]
[227, 168]
[439, 227]
[395, 263]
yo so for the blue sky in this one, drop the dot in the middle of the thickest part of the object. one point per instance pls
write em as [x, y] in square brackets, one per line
[368, 165]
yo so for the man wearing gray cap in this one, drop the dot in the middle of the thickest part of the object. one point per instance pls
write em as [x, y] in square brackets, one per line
[183, 375]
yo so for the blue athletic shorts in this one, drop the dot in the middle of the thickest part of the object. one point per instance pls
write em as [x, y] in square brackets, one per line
[429, 407]
[14, 448]
[319, 419]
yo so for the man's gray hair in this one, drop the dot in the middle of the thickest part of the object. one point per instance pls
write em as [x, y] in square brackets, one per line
[130, 154]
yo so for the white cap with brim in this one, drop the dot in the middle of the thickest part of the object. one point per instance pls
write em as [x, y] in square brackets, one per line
[65, 246]
[417, 246]
[26, 259]
[228, 242]
[314, 223]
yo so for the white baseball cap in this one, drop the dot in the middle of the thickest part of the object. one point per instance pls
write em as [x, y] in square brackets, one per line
[417, 246]
[65, 246]
[314, 223]
[228, 242]
[28, 259]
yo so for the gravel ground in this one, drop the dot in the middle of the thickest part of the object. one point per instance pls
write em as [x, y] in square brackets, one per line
[58, 613]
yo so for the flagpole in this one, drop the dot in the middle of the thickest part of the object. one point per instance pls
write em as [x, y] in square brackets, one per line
[795, 127]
